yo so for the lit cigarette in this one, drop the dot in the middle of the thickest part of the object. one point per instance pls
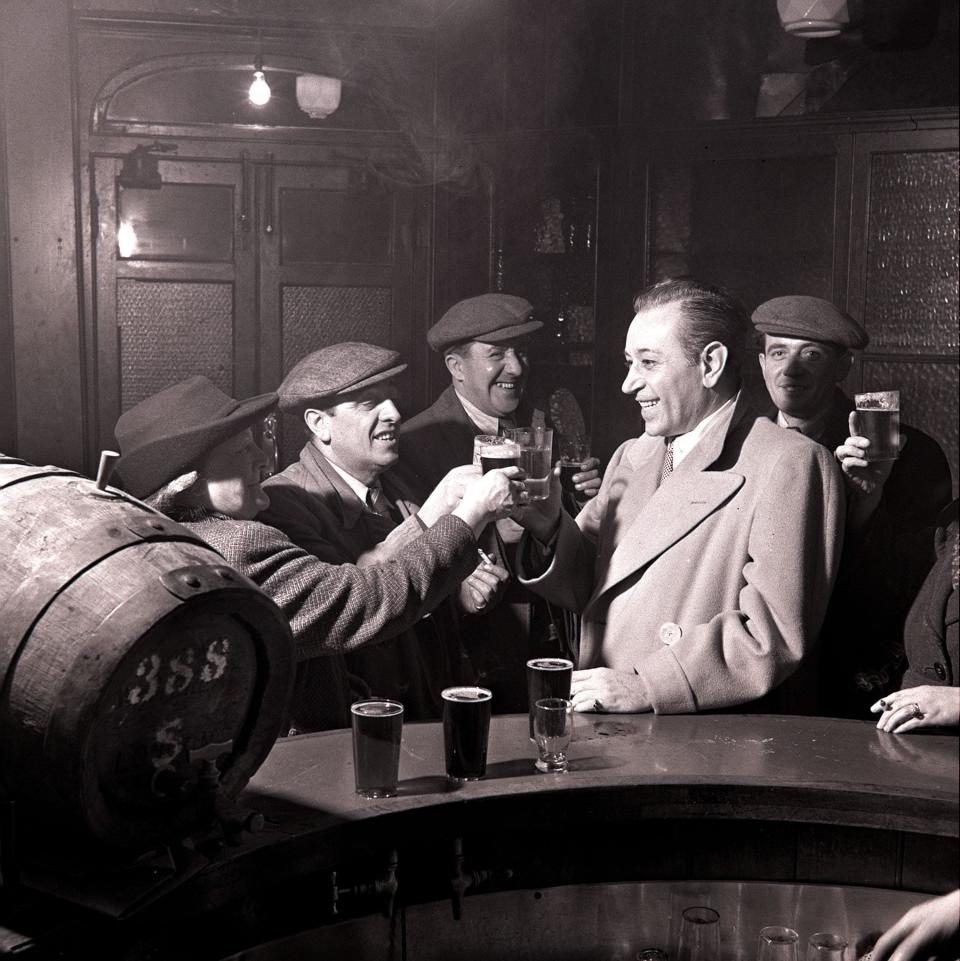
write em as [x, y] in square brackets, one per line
[486, 558]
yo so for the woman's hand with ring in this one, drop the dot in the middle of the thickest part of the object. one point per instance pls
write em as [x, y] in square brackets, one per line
[931, 705]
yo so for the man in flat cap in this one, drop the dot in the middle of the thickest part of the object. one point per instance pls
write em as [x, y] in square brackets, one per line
[484, 341]
[806, 353]
[342, 502]
[189, 452]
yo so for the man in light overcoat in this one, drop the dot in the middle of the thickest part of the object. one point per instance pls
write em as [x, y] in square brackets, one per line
[704, 566]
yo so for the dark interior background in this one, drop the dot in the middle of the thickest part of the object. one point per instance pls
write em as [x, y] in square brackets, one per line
[570, 151]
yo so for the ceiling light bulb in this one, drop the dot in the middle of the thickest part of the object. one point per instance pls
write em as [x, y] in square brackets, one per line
[259, 89]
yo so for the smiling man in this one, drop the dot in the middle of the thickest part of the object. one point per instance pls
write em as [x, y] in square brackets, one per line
[484, 343]
[342, 503]
[704, 565]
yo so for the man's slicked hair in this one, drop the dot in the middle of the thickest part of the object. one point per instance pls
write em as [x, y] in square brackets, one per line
[710, 314]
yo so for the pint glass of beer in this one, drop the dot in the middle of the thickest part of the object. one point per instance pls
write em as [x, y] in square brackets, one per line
[547, 677]
[377, 728]
[878, 419]
[491, 451]
[466, 726]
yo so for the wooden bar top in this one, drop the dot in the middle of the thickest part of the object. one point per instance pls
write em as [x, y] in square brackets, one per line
[744, 766]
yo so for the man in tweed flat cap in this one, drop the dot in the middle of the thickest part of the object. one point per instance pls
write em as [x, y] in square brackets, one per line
[343, 502]
[484, 341]
[807, 346]
[189, 451]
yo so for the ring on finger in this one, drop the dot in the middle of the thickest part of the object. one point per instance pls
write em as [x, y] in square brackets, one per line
[916, 712]
[598, 705]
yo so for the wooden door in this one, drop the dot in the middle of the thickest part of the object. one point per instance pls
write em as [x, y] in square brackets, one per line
[335, 264]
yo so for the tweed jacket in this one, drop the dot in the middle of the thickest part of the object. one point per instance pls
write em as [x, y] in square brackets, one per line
[313, 505]
[335, 609]
[711, 586]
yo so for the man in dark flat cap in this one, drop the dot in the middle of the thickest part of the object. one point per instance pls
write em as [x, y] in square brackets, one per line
[484, 341]
[807, 345]
[342, 502]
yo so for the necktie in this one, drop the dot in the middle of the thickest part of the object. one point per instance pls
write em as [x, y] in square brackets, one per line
[505, 424]
[667, 468]
[377, 501]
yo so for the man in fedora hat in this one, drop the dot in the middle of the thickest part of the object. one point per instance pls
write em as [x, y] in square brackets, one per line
[807, 347]
[189, 451]
[484, 341]
[343, 501]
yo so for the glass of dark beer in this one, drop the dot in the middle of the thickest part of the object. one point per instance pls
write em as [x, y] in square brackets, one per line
[466, 726]
[547, 677]
[878, 419]
[377, 728]
[552, 728]
[573, 452]
[491, 451]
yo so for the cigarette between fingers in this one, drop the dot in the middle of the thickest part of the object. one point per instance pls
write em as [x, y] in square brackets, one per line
[485, 557]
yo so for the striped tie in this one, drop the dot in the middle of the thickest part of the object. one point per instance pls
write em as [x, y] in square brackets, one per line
[377, 501]
[667, 468]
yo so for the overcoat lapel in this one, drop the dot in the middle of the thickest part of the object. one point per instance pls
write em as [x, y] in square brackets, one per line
[651, 519]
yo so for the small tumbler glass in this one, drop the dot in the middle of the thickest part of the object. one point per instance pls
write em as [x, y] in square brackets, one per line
[552, 729]
[778, 943]
[824, 946]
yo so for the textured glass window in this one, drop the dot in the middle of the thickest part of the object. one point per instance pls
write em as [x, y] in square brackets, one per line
[336, 226]
[186, 222]
[912, 256]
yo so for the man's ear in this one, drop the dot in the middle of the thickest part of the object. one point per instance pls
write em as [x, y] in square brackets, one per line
[454, 364]
[713, 362]
[318, 423]
[843, 366]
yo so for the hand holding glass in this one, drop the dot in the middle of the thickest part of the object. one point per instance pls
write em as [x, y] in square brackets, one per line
[878, 419]
[573, 452]
[491, 451]
[536, 459]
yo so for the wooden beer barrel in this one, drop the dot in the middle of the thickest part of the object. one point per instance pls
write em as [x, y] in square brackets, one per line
[143, 680]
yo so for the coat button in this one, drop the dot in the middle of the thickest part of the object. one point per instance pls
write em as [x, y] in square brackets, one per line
[938, 669]
[670, 632]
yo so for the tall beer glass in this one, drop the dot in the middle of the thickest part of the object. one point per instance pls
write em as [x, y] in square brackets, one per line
[878, 419]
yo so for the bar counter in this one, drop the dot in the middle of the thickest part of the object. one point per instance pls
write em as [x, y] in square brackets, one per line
[825, 819]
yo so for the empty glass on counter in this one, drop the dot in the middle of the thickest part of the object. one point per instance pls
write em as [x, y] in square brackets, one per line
[824, 946]
[778, 944]
[699, 935]
[552, 730]
[466, 727]
[377, 730]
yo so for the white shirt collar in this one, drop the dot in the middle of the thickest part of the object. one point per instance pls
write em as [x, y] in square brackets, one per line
[684, 443]
[486, 423]
[358, 487]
